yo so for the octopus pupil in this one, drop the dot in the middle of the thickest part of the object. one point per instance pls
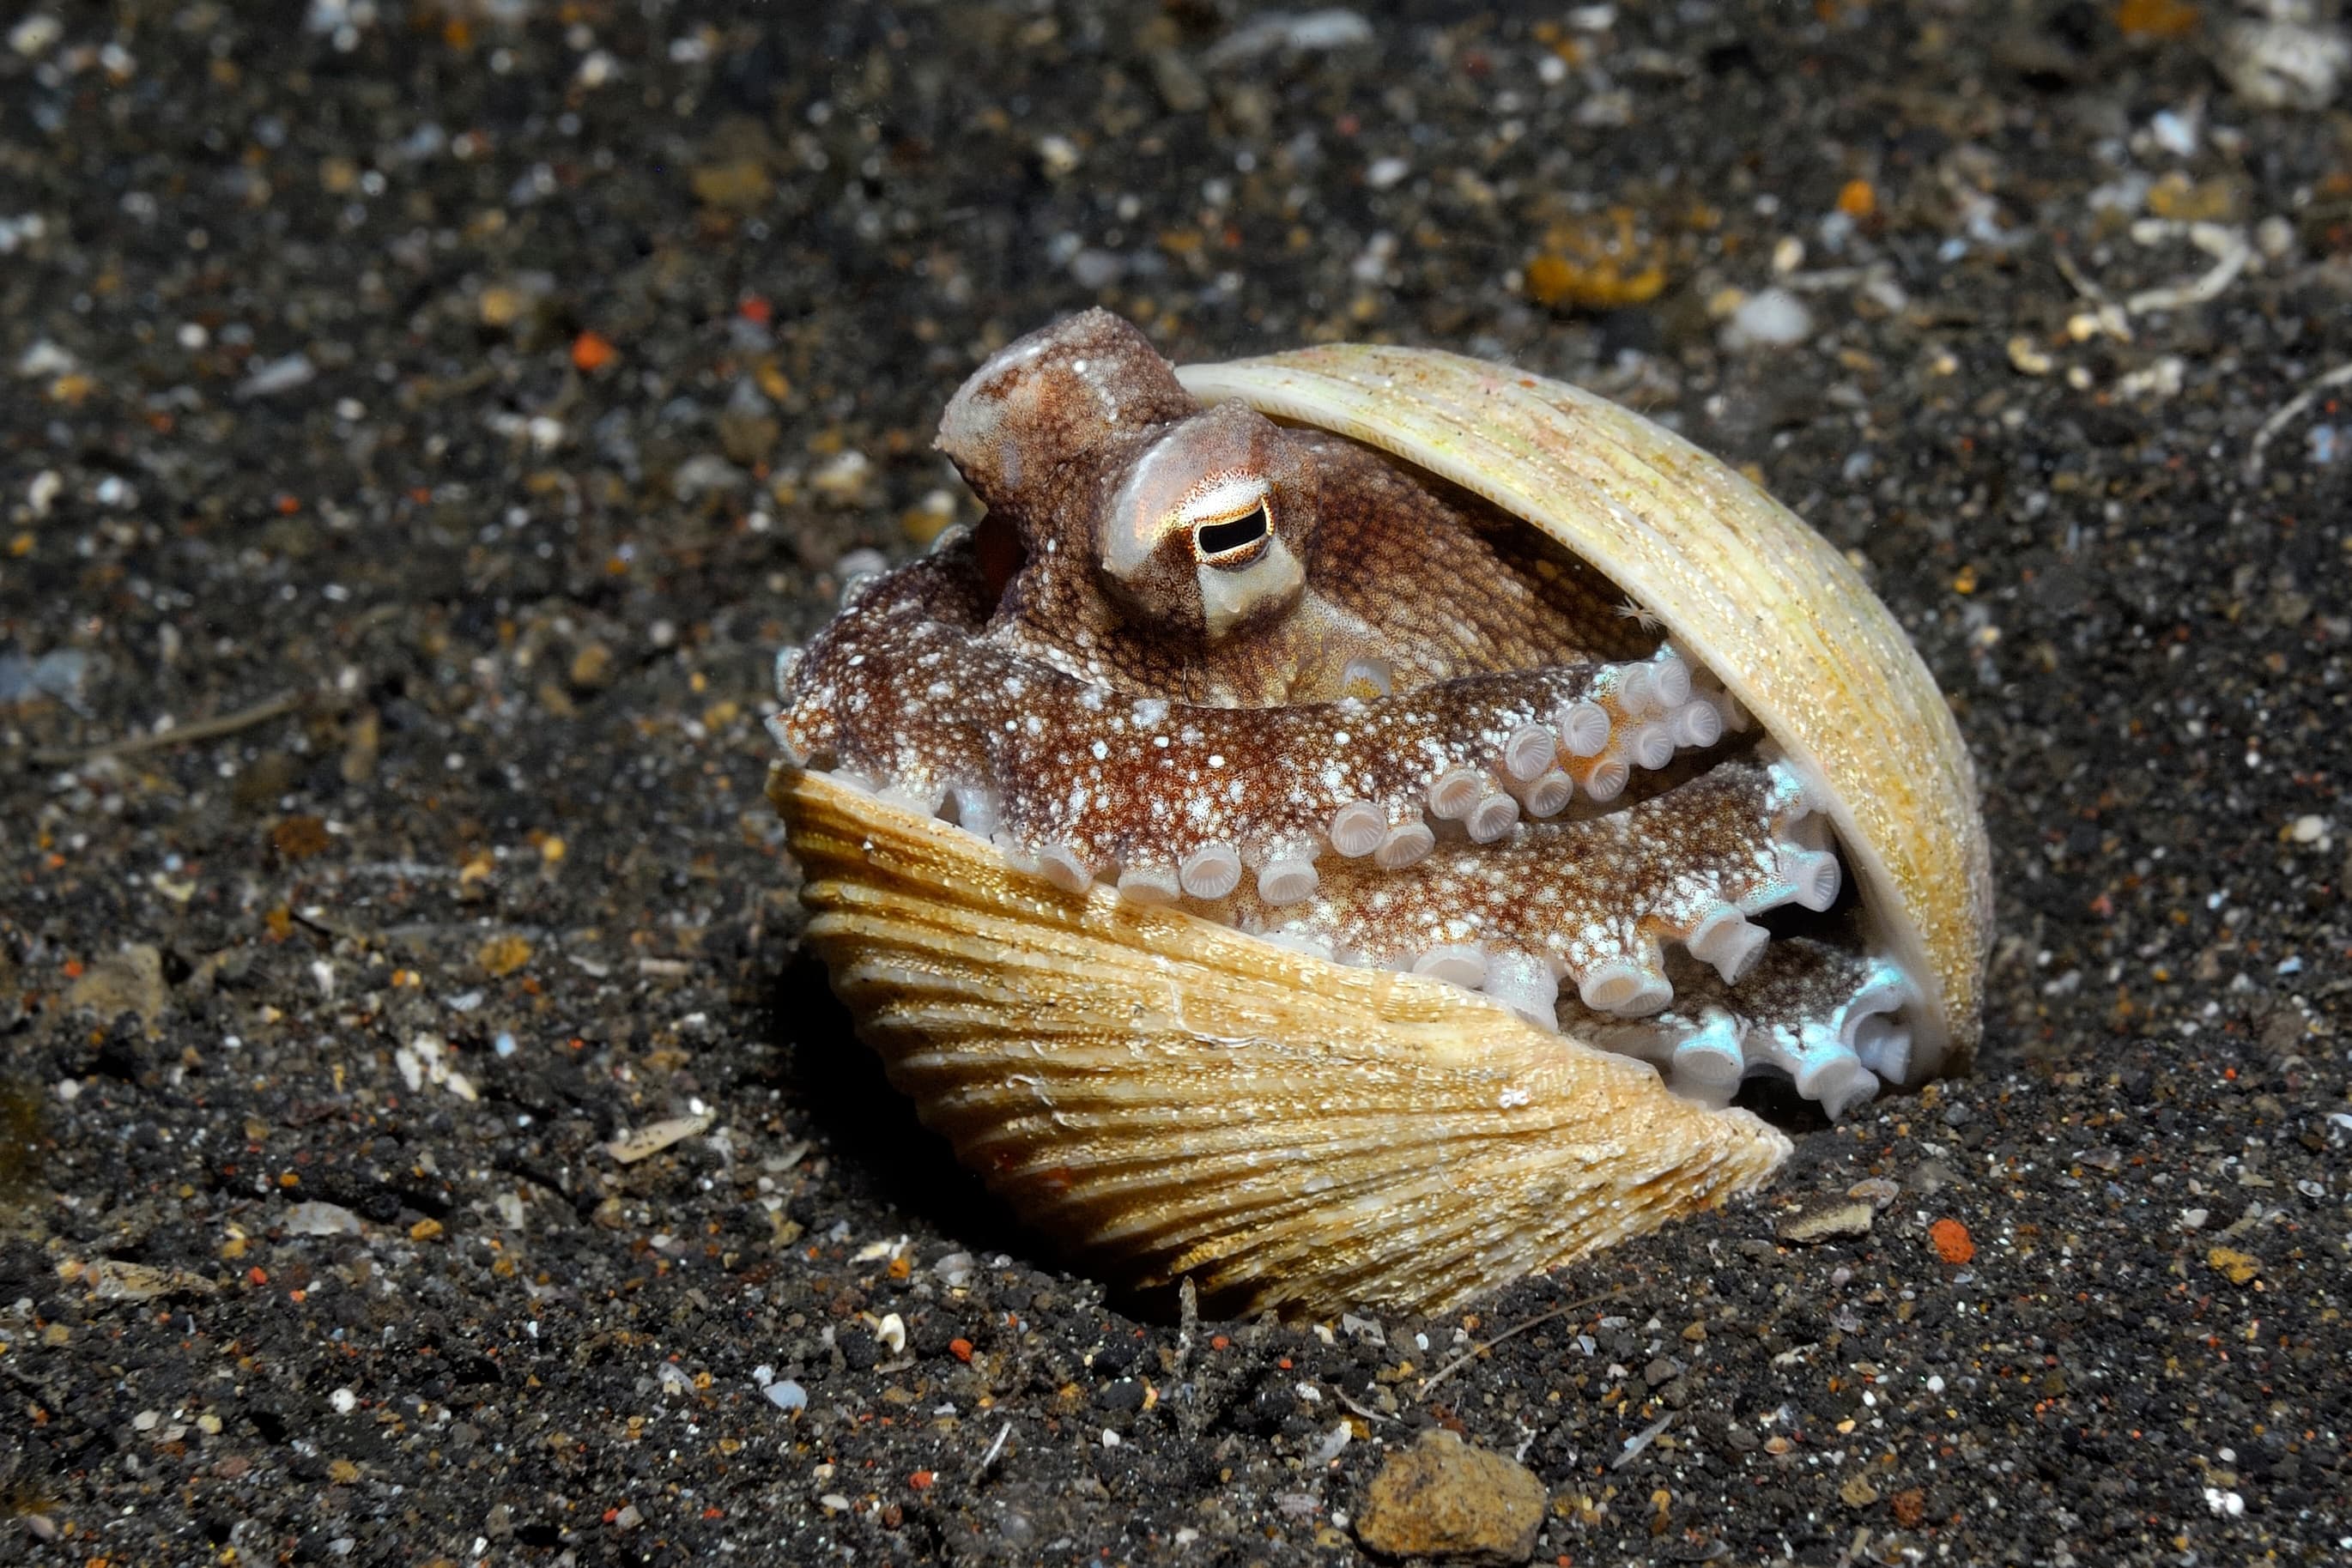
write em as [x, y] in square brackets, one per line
[1214, 540]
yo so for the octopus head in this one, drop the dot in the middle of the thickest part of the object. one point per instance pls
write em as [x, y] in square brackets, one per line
[1196, 523]
[1046, 413]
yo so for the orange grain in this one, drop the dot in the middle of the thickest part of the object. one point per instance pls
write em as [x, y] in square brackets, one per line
[591, 352]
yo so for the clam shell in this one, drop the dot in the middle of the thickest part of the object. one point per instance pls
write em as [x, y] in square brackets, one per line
[1176, 1100]
[1179, 1099]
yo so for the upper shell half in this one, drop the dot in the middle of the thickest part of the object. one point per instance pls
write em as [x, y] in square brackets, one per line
[1176, 1099]
[1743, 585]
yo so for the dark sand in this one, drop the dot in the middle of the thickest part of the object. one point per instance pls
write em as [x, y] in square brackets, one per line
[459, 420]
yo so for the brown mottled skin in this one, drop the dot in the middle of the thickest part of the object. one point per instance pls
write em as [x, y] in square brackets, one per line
[908, 690]
[1048, 432]
[1212, 658]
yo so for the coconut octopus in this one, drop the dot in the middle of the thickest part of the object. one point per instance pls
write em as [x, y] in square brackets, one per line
[1294, 687]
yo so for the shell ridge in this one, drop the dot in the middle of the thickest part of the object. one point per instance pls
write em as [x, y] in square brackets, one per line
[915, 924]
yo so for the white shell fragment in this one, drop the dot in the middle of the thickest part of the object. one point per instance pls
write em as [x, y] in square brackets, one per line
[651, 1139]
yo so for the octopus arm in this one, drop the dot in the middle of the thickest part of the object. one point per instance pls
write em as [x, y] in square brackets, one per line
[908, 697]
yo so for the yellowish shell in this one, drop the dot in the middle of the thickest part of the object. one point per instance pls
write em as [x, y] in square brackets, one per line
[1175, 1099]
[1180, 1099]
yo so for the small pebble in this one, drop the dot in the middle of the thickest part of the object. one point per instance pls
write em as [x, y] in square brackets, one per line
[1772, 319]
[313, 1217]
[1828, 1222]
[1441, 1497]
[1879, 1191]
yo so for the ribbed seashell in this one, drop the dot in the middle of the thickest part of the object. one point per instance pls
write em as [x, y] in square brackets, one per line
[1177, 1100]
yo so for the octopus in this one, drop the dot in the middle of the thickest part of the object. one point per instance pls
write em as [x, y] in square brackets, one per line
[1283, 682]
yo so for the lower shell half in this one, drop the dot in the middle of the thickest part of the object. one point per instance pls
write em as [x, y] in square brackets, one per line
[1179, 1101]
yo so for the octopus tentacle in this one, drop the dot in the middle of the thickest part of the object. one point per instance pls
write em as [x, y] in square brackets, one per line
[1088, 783]
[1634, 927]
[1633, 924]
[1593, 902]
[1829, 1021]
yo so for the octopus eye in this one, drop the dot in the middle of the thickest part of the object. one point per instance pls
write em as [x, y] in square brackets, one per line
[1231, 518]
[1199, 533]
[1241, 569]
